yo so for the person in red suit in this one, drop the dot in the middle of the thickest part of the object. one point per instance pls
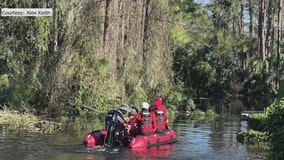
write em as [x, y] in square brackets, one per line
[161, 112]
[145, 120]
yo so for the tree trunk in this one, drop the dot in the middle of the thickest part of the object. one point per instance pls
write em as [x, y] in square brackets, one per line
[251, 34]
[142, 15]
[120, 55]
[107, 25]
[55, 28]
[268, 40]
[241, 24]
[234, 29]
[279, 29]
[261, 27]
[250, 18]
[146, 34]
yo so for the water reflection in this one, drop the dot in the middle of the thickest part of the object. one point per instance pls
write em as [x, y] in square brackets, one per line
[196, 140]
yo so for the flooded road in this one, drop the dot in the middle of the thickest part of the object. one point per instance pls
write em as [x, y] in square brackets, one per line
[197, 140]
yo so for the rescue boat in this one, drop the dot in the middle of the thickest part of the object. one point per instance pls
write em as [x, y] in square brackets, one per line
[96, 138]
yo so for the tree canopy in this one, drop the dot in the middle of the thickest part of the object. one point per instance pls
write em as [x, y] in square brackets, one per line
[103, 53]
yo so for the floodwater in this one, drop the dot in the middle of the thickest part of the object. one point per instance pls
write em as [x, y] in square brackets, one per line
[197, 140]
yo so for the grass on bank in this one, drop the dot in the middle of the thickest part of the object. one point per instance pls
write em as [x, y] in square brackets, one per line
[13, 119]
[25, 121]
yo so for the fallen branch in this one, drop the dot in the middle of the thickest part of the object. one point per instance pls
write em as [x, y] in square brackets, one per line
[89, 108]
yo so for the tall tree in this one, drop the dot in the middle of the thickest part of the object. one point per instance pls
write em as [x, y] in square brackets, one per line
[120, 49]
[107, 24]
[261, 29]
[250, 10]
[146, 34]
[55, 27]
[241, 23]
[269, 29]
[279, 29]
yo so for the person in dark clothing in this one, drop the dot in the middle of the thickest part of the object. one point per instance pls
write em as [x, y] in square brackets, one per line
[132, 129]
[115, 125]
[108, 118]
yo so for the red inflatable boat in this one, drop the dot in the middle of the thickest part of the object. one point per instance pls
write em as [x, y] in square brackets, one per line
[96, 138]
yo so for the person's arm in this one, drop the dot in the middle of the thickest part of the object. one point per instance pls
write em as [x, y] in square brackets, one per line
[136, 119]
[166, 116]
[133, 121]
[126, 120]
[154, 121]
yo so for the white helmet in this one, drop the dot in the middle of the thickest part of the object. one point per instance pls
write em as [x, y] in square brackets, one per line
[145, 105]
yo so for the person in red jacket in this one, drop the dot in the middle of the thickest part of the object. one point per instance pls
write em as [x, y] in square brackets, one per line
[133, 128]
[145, 120]
[161, 115]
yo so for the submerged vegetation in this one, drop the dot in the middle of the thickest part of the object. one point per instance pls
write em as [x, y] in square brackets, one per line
[12, 119]
[253, 137]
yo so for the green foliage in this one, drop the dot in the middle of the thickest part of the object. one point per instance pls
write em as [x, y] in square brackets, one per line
[178, 101]
[24, 45]
[102, 63]
[179, 35]
[252, 137]
[274, 126]
[280, 92]
[257, 122]
[204, 72]
[138, 97]
[175, 98]
[211, 114]
[89, 121]
[172, 114]
[27, 122]
[181, 43]
[190, 105]
[260, 77]
[198, 114]
[215, 48]
[4, 82]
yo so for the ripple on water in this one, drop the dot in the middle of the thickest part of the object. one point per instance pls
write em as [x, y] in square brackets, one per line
[196, 141]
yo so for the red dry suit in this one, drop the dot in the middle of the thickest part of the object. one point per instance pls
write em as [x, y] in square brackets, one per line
[146, 122]
[160, 116]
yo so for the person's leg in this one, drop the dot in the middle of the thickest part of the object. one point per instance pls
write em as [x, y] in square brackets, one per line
[110, 135]
[121, 136]
[106, 139]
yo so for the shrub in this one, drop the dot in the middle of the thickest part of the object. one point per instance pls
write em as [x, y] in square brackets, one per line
[257, 122]
[275, 128]
[252, 137]
[28, 122]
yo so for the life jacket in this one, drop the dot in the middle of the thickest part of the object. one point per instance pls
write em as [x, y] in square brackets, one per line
[146, 123]
[160, 118]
